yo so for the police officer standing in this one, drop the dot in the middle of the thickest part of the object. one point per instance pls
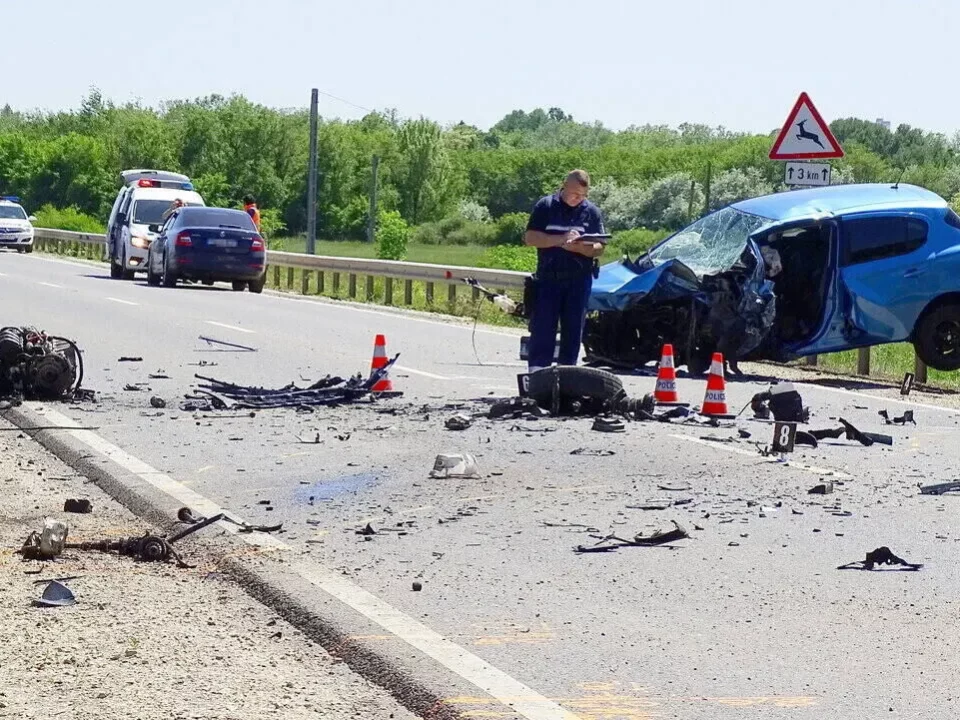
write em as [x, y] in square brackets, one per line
[565, 269]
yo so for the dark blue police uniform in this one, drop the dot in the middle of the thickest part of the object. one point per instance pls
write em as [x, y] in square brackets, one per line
[564, 280]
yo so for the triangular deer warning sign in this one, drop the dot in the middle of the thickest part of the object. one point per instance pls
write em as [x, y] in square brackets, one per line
[805, 135]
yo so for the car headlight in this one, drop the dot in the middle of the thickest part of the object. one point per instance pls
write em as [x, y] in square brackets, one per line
[139, 241]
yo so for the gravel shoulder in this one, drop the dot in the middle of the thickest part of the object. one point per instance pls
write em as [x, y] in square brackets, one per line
[145, 640]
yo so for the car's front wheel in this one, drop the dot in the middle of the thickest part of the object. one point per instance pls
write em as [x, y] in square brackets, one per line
[153, 280]
[937, 337]
[28, 249]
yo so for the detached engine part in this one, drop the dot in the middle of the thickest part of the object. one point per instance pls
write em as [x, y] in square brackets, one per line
[37, 366]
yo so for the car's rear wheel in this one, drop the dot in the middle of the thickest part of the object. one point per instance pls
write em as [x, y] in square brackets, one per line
[239, 285]
[169, 279]
[256, 286]
[937, 337]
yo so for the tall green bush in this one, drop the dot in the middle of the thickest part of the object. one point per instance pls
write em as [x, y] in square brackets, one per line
[392, 236]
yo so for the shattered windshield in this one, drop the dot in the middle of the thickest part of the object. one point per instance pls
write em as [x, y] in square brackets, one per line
[711, 244]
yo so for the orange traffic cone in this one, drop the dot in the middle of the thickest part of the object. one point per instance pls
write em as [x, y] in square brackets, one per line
[666, 391]
[715, 400]
[379, 361]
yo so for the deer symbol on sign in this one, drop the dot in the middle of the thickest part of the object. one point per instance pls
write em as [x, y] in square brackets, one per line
[805, 134]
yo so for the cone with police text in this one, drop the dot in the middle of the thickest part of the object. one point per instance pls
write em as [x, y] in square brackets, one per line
[666, 390]
[715, 400]
[380, 361]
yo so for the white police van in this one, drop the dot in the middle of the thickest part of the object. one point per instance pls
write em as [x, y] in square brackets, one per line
[16, 229]
[145, 197]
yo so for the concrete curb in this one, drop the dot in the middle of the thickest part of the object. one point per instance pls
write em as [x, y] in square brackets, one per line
[420, 684]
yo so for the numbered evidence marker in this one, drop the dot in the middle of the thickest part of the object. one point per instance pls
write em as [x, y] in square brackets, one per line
[907, 385]
[784, 436]
[523, 384]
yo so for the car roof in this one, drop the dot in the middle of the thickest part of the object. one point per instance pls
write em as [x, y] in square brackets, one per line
[170, 194]
[839, 200]
[132, 176]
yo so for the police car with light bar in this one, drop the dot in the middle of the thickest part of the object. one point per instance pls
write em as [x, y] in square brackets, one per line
[144, 200]
[16, 229]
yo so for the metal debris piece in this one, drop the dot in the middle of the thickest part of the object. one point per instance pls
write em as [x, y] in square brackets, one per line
[224, 344]
[368, 530]
[459, 421]
[821, 489]
[130, 359]
[592, 453]
[158, 402]
[907, 417]
[77, 506]
[847, 430]
[460, 465]
[939, 488]
[676, 487]
[881, 556]
[805, 438]
[327, 391]
[515, 408]
[56, 594]
[609, 425]
[612, 542]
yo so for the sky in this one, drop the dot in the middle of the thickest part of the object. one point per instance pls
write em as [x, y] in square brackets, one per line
[738, 63]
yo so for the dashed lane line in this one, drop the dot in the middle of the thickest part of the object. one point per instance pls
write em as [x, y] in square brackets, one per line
[122, 302]
[230, 327]
[524, 701]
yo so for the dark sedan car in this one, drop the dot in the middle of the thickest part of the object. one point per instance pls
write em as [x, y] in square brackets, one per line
[208, 245]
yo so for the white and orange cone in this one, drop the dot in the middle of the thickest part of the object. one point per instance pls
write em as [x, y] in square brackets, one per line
[666, 390]
[379, 361]
[715, 399]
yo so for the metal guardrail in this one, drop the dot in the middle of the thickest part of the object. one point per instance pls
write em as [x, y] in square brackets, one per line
[316, 267]
[93, 246]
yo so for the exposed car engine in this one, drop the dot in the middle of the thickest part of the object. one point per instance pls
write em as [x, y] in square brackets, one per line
[37, 366]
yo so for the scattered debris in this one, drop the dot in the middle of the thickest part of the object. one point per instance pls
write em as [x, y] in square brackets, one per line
[328, 391]
[612, 542]
[460, 465]
[907, 417]
[610, 425]
[515, 408]
[803, 437]
[459, 421]
[676, 487]
[46, 544]
[158, 402]
[881, 556]
[368, 530]
[158, 376]
[821, 489]
[77, 506]
[592, 453]
[37, 366]
[130, 359]
[782, 401]
[660, 504]
[137, 387]
[851, 433]
[56, 594]
[222, 343]
[939, 488]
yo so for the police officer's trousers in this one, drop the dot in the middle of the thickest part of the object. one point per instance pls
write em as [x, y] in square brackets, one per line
[564, 301]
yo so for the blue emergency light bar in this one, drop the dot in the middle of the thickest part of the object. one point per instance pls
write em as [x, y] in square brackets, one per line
[10, 198]
[187, 186]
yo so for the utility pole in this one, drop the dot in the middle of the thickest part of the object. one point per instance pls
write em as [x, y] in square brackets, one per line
[372, 220]
[312, 177]
[706, 200]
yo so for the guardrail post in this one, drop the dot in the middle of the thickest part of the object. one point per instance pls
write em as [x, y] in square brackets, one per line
[369, 288]
[919, 371]
[320, 282]
[305, 282]
[863, 361]
[352, 285]
[429, 294]
[812, 360]
[89, 252]
[336, 283]
[276, 276]
[388, 291]
[408, 292]
[289, 278]
[476, 294]
[452, 296]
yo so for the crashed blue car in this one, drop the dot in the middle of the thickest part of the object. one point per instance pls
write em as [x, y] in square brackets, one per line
[787, 275]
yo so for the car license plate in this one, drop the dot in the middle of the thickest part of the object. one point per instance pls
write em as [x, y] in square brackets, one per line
[222, 242]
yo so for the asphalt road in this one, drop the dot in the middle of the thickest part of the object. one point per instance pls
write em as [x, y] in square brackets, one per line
[747, 619]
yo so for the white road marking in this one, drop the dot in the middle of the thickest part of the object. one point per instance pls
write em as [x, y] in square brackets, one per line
[122, 302]
[230, 327]
[522, 699]
[756, 456]
[880, 398]
[53, 285]
[3, 274]
[434, 376]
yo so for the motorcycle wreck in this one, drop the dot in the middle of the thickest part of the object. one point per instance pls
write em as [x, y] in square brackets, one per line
[37, 366]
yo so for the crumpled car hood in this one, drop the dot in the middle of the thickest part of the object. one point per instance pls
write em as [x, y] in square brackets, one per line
[622, 285]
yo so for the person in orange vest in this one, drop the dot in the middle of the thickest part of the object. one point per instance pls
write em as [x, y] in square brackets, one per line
[250, 205]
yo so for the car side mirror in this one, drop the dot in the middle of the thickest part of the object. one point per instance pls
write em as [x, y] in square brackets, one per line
[32, 218]
[153, 228]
